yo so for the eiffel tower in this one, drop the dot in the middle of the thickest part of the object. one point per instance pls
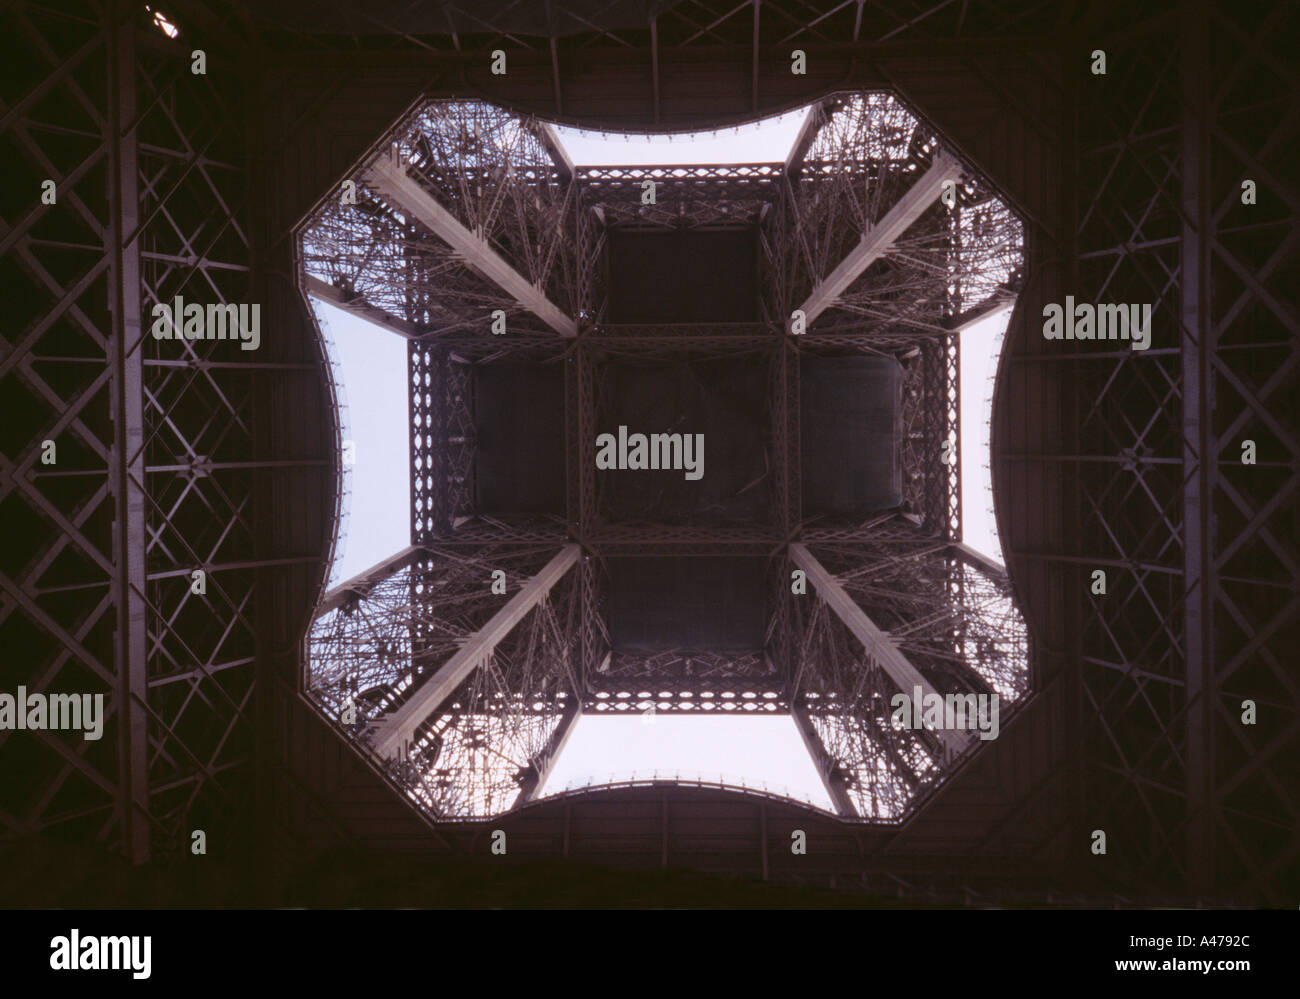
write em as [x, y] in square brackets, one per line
[802, 317]
[171, 507]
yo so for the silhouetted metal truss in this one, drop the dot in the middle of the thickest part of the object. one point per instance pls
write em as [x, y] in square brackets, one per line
[155, 458]
[481, 747]
[369, 654]
[1199, 549]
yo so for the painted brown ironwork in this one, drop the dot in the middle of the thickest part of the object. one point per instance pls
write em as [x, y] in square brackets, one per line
[487, 167]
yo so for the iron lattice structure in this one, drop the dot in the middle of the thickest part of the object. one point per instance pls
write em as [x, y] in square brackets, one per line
[459, 191]
[1199, 548]
[1129, 186]
[154, 473]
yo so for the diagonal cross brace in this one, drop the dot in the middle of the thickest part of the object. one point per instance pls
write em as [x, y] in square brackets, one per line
[392, 181]
[878, 645]
[823, 761]
[360, 585]
[396, 730]
[879, 239]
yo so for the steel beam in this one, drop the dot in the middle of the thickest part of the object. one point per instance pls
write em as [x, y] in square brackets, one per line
[544, 762]
[989, 307]
[549, 138]
[978, 560]
[878, 239]
[391, 180]
[812, 124]
[396, 731]
[822, 760]
[358, 306]
[878, 645]
[1196, 333]
[127, 355]
[363, 582]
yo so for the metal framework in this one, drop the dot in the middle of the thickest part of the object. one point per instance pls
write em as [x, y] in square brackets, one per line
[468, 210]
[155, 462]
[1199, 548]
[177, 456]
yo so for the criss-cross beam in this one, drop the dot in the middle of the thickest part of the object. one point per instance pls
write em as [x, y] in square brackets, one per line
[991, 306]
[878, 645]
[879, 238]
[396, 730]
[391, 180]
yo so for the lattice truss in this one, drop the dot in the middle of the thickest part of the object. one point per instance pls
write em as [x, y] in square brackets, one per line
[506, 182]
[472, 752]
[952, 618]
[683, 195]
[442, 413]
[494, 175]
[150, 481]
[1198, 548]
[955, 623]
[958, 253]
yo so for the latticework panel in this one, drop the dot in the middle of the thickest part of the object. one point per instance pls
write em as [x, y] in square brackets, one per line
[150, 479]
[684, 196]
[443, 436]
[371, 655]
[846, 698]
[491, 170]
[956, 624]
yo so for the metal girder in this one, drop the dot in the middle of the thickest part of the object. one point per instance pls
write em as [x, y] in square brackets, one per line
[363, 582]
[390, 179]
[879, 646]
[979, 561]
[878, 239]
[359, 307]
[549, 138]
[994, 304]
[822, 760]
[129, 447]
[812, 122]
[397, 729]
[540, 766]
[1197, 332]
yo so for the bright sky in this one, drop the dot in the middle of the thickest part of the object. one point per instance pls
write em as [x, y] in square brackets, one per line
[758, 752]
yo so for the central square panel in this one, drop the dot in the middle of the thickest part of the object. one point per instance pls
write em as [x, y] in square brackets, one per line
[683, 276]
[720, 407]
[672, 602]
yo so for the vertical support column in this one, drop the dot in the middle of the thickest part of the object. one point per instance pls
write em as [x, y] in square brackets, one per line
[1196, 332]
[127, 405]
